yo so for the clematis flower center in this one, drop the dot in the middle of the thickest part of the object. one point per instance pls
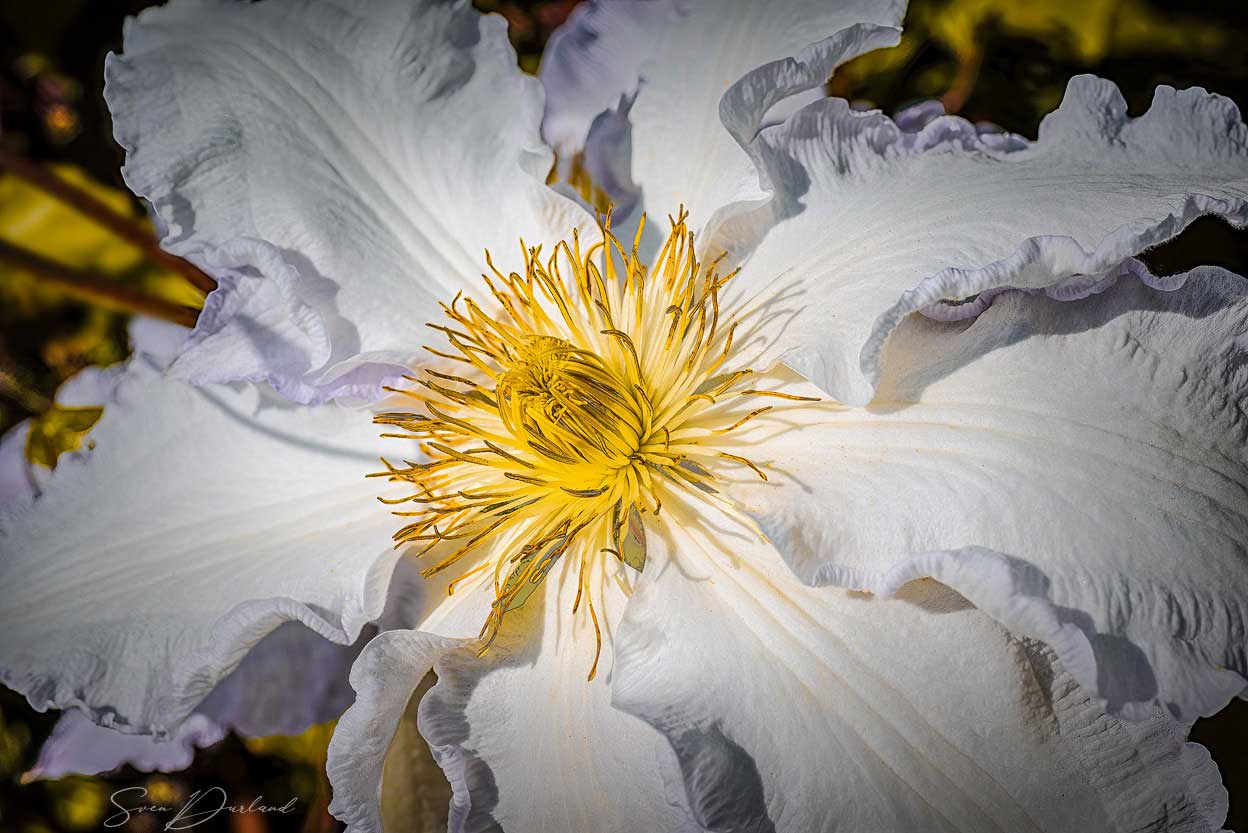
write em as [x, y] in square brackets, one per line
[590, 386]
[568, 406]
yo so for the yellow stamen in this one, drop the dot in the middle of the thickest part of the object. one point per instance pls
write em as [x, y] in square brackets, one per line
[588, 387]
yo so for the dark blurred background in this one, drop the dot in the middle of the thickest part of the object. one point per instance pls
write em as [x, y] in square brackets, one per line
[74, 265]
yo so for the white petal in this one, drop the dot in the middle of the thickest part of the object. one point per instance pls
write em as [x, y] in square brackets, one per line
[703, 66]
[875, 223]
[387, 672]
[79, 747]
[1099, 446]
[372, 742]
[89, 387]
[19, 479]
[915, 119]
[202, 520]
[700, 105]
[354, 158]
[593, 60]
[159, 341]
[525, 741]
[609, 162]
[415, 795]
[800, 709]
[539, 748]
[156, 342]
[292, 679]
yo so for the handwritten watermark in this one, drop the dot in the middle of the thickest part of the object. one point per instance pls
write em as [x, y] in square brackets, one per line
[199, 807]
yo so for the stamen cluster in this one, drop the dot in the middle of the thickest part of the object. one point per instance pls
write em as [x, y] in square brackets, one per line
[564, 412]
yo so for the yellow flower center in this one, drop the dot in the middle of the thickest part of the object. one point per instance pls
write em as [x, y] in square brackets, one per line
[563, 414]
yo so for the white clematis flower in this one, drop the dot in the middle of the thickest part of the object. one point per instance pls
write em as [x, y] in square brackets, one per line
[707, 470]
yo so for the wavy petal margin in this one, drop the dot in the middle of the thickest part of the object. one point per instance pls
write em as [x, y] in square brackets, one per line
[338, 166]
[1077, 471]
[200, 521]
[873, 222]
[800, 710]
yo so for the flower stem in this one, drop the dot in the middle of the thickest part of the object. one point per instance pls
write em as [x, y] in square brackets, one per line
[87, 205]
[964, 80]
[11, 388]
[96, 289]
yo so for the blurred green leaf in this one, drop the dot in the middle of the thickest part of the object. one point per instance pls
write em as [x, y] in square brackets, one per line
[950, 37]
[310, 747]
[41, 224]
